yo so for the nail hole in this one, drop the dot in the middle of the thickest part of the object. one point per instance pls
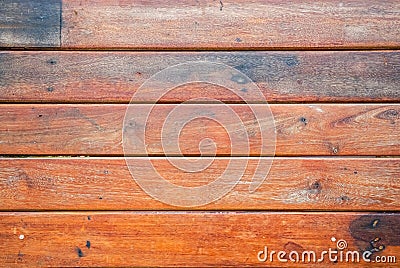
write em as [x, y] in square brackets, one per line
[375, 223]
[303, 120]
[376, 239]
[79, 252]
[316, 185]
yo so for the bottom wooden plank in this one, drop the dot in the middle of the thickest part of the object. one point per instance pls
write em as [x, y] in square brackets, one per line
[198, 238]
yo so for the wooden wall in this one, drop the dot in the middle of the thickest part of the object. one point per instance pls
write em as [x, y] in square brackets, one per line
[330, 71]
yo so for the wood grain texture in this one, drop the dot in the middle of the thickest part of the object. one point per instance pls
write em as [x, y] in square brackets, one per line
[89, 211]
[306, 76]
[231, 24]
[292, 184]
[25, 23]
[189, 238]
[301, 129]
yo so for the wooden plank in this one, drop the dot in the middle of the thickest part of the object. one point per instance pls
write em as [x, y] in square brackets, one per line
[305, 76]
[230, 24]
[292, 184]
[25, 23]
[325, 129]
[193, 239]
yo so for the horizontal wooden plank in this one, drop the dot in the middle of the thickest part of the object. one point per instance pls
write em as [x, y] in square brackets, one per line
[25, 23]
[325, 129]
[230, 24]
[292, 184]
[197, 239]
[305, 76]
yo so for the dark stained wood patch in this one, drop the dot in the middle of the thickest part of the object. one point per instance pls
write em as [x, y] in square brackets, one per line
[25, 23]
[376, 232]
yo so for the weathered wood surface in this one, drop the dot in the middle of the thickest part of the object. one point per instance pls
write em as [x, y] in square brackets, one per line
[200, 25]
[25, 23]
[89, 211]
[189, 238]
[301, 129]
[292, 184]
[231, 24]
[291, 76]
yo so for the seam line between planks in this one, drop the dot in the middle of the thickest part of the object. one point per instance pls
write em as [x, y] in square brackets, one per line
[202, 211]
[214, 49]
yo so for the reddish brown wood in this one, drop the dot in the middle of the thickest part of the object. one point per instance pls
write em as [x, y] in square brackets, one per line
[231, 24]
[66, 195]
[189, 238]
[294, 76]
[292, 184]
[326, 129]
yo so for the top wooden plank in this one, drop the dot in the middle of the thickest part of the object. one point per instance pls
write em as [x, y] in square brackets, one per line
[232, 24]
[25, 23]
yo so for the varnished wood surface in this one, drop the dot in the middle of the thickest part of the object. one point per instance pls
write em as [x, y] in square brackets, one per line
[230, 24]
[292, 184]
[334, 84]
[188, 238]
[25, 23]
[303, 129]
[104, 77]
